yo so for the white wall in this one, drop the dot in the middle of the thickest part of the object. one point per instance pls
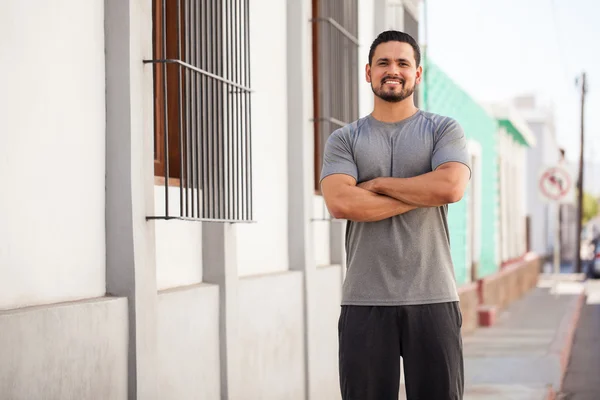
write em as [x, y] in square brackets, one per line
[543, 220]
[473, 248]
[72, 350]
[52, 151]
[178, 244]
[512, 210]
[262, 246]
[537, 211]
[188, 343]
[321, 231]
[520, 245]
[271, 338]
[324, 375]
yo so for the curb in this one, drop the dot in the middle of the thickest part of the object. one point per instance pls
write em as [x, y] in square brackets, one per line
[510, 283]
[565, 352]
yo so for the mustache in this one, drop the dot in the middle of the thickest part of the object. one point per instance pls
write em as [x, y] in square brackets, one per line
[392, 78]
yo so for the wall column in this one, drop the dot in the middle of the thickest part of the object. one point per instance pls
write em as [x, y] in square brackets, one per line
[301, 164]
[130, 263]
[219, 266]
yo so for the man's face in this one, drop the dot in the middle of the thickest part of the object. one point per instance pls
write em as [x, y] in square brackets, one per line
[393, 73]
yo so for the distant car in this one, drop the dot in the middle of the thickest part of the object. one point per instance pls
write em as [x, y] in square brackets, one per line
[590, 248]
[593, 264]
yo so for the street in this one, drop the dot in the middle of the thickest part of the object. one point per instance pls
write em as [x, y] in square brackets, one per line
[581, 380]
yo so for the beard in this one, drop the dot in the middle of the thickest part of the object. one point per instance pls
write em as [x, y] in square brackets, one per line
[393, 96]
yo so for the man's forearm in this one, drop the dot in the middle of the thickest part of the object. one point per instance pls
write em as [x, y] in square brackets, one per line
[361, 205]
[428, 190]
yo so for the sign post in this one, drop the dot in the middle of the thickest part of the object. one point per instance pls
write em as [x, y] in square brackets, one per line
[556, 187]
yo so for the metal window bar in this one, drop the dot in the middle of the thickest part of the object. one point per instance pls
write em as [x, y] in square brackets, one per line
[336, 92]
[212, 107]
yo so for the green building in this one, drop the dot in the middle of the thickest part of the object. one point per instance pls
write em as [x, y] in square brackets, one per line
[487, 227]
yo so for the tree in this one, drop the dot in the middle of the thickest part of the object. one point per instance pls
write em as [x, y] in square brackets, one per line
[590, 207]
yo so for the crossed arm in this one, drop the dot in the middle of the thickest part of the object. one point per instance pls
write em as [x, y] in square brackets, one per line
[382, 198]
[346, 200]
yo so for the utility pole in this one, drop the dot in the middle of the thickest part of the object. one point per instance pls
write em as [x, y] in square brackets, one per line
[580, 180]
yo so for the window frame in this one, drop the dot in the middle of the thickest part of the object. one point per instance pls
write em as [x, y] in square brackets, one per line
[202, 124]
[337, 41]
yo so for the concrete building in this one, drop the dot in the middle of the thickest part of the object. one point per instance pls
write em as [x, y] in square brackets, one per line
[542, 215]
[161, 234]
[514, 139]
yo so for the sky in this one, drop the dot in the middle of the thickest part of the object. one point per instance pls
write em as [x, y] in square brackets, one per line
[496, 50]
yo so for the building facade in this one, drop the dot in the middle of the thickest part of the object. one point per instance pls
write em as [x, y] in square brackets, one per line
[544, 216]
[163, 236]
[514, 139]
[163, 233]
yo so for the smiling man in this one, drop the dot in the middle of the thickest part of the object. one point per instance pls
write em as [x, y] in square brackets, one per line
[392, 174]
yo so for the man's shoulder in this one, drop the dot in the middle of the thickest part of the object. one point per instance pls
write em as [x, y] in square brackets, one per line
[440, 123]
[437, 119]
[349, 130]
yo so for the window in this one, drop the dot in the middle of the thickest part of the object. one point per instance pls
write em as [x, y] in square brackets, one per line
[335, 70]
[202, 140]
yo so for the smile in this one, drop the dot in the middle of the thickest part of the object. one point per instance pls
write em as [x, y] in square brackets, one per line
[391, 82]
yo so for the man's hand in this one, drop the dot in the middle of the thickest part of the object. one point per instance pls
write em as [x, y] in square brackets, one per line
[440, 187]
[369, 185]
[346, 200]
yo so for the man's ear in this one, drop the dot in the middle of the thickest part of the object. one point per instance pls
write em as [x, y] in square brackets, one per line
[368, 73]
[419, 75]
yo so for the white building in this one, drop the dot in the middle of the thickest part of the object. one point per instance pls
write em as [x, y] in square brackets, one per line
[542, 216]
[103, 295]
[515, 139]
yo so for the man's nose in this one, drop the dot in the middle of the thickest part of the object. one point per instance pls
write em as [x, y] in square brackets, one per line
[393, 70]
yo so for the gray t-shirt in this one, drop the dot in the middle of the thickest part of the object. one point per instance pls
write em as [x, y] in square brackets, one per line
[404, 259]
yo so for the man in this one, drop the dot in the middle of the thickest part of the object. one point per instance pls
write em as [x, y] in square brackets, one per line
[399, 296]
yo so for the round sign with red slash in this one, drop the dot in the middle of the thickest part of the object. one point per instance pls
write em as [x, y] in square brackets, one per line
[555, 183]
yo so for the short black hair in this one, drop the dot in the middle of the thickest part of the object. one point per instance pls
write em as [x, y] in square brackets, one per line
[395, 36]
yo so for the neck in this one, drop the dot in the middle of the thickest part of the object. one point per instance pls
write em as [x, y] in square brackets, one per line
[386, 111]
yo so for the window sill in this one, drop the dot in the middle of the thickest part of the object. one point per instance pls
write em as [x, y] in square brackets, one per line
[160, 181]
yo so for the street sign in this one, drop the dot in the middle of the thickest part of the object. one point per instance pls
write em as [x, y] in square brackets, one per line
[557, 184]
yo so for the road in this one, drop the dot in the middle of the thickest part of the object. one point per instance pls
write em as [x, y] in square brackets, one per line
[581, 380]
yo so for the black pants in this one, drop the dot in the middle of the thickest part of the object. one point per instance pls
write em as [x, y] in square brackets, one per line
[372, 339]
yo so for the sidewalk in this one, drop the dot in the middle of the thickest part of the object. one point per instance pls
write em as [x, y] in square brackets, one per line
[524, 355]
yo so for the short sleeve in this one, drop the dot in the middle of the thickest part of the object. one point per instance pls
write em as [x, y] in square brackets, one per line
[450, 145]
[338, 157]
